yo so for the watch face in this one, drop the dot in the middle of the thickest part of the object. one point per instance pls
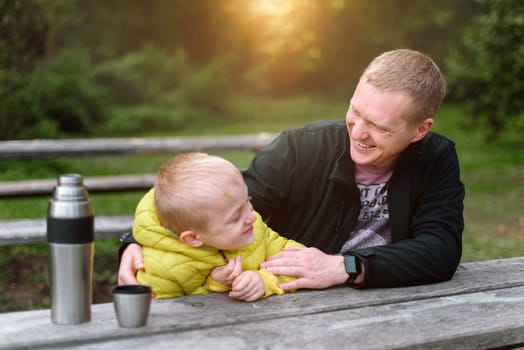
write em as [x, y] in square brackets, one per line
[351, 265]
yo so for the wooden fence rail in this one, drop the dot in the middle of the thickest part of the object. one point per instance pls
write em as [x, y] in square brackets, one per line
[100, 184]
[25, 231]
[90, 147]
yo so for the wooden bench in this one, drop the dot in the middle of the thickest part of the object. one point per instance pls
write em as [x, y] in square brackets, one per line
[481, 307]
[26, 231]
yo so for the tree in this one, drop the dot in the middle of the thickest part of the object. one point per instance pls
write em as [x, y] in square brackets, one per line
[488, 72]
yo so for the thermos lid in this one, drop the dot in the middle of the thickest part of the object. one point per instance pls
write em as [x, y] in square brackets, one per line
[71, 179]
[70, 187]
[70, 198]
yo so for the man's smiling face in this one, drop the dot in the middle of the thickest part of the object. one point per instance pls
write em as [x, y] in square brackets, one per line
[378, 125]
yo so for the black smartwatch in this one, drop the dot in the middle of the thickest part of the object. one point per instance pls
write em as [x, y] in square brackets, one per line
[352, 265]
[126, 239]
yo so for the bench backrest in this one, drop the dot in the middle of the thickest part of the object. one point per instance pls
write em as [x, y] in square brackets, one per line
[23, 231]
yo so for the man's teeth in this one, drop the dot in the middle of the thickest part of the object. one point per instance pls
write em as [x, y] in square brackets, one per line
[363, 145]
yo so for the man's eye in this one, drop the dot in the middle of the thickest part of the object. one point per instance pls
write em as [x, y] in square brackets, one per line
[381, 129]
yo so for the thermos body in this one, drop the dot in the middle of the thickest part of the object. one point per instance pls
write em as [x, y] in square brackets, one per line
[70, 276]
[70, 233]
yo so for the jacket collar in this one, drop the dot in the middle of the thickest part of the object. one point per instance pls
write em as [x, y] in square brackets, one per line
[344, 170]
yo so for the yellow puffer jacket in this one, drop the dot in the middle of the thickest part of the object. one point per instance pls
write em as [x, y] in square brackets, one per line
[174, 269]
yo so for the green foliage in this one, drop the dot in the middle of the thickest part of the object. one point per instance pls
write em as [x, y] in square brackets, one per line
[54, 99]
[22, 33]
[488, 73]
[151, 89]
[143, 90]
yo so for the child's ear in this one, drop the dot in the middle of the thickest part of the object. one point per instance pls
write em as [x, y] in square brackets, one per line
[191, 239]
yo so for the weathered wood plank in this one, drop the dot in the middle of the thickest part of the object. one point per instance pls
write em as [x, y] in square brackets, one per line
[473, 321]
[28, 231]
[441, 323]
[27, 149]
[99, 184]
[481, 307]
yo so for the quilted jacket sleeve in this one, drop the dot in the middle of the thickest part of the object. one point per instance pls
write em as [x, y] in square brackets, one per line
[274, 243]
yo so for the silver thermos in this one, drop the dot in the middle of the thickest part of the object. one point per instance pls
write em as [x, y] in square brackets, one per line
[70, 233]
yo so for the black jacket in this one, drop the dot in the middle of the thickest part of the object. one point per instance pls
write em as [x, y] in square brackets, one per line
[303, 185]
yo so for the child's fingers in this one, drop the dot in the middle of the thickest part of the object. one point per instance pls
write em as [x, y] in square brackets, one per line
[246, 281]
[246, 289]
[237, 269]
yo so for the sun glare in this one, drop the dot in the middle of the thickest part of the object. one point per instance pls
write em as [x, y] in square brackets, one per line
[274, 8]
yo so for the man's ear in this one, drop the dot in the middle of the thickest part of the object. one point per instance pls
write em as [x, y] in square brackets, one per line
[423, 129]
[190, 238]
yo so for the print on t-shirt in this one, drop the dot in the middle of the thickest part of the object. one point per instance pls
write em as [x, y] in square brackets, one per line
[373, 222]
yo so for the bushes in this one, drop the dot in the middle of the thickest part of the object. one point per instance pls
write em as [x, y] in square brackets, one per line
[55, 98]
[488, 73]
[154, 91]
[145, 90]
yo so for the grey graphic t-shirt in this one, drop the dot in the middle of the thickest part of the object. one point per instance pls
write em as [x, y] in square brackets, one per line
[373, 227]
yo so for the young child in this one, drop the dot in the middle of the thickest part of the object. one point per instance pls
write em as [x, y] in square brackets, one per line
[199, 232]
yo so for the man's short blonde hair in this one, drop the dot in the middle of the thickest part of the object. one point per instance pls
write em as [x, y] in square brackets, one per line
[187, 187]
[412, 72]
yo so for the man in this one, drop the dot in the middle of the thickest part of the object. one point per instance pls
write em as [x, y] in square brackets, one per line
[378, 198]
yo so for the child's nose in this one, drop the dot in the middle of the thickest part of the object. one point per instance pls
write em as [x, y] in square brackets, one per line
[251, 217]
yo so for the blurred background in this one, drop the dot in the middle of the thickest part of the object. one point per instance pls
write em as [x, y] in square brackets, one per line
[77, 67]
[119, 68]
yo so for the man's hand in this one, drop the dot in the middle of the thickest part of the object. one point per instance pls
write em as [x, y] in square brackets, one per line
[312, 268]
[132, 261]
[226, 274]
[249, 286]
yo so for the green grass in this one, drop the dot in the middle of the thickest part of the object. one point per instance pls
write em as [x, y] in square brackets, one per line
[492, 171]
[493, 174]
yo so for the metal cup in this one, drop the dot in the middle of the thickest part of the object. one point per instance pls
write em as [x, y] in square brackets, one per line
[132, 303]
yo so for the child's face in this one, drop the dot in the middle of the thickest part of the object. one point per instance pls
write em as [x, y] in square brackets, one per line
[231, 219]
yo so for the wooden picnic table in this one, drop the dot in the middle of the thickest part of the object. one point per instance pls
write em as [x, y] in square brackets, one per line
[481, 307]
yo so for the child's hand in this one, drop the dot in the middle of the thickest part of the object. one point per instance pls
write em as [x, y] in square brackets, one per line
[249, 286]
[226, 274]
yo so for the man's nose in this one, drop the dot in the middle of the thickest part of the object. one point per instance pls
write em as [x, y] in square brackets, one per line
[359, 130]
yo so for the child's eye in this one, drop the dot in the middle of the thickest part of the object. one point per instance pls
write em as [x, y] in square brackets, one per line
[235, 217]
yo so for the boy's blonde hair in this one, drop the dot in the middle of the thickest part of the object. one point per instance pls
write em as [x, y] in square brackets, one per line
[188, 185]
[412, 72]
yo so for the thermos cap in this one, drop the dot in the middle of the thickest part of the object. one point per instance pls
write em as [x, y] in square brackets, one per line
[71, 179]
[70, 188]
[70, 198]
